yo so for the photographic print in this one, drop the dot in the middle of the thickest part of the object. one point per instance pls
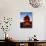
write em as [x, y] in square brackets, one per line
[26, 19]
